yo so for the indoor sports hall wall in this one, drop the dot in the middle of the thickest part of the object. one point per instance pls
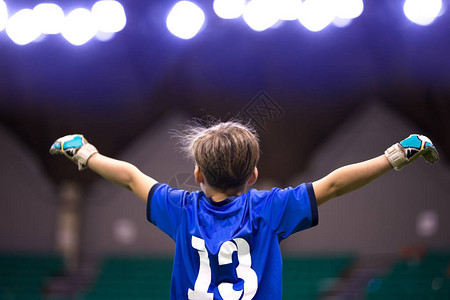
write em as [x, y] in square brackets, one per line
[124, 226]
[28, 199]
[401, 209]
[405, 208]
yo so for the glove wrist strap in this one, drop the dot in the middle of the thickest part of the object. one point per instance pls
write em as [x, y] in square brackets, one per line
[396, 156]
[83, 154]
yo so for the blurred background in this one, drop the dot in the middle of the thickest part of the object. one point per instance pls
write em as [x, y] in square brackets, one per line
[325, 83]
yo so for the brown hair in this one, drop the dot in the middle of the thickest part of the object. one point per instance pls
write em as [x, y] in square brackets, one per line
[226, 152]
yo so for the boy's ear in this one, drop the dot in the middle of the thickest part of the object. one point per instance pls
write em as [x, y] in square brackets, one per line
[253, 177]
[198, 175]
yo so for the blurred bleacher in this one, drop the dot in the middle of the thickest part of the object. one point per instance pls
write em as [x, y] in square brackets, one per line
[310, 277]
[25, 276]
[124, 278]
[427, 278]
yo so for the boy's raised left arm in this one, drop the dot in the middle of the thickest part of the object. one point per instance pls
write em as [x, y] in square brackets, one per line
[77, 149]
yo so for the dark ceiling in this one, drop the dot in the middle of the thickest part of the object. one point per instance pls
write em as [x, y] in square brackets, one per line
[113, 91]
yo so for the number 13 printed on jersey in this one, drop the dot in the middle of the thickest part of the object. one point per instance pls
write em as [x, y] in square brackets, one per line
[243, 271]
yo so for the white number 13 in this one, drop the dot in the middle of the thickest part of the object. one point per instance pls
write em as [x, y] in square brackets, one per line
[243, 271]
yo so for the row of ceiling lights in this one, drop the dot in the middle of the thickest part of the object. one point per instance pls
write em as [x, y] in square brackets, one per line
[186, 18]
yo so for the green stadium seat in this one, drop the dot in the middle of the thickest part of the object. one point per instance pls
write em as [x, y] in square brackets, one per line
[308, 277]
[22, 276]
[421, 279]
[132, 278]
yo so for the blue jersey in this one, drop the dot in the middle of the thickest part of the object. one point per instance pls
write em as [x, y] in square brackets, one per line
[230, 250]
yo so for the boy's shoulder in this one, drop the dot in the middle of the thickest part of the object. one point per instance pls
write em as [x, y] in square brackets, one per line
[253, 196]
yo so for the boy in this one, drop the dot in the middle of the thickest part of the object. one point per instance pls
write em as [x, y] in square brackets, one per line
[227, 237]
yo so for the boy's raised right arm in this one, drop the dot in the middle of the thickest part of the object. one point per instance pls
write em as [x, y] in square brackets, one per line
[76, 148]
[349, 178]
[352, 177]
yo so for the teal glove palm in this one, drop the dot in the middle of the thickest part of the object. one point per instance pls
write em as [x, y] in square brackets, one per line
[408, 150]
[75, 147]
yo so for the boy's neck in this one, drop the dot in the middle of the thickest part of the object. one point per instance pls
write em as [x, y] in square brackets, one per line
[218, 196]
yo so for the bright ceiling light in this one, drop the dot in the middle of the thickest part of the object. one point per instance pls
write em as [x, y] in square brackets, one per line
[50, 18]
[261, 14]
[79, 27]
[288, 10]
[422, 12]
[110, 16]
[315, 15]
[185, 20]
[229, 9]
[349, 9]
[22, 27]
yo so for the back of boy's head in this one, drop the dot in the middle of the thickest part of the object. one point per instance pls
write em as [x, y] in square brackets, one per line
[226, 153]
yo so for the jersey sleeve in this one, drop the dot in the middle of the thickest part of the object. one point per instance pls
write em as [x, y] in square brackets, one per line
[290, 210]
[164, 206]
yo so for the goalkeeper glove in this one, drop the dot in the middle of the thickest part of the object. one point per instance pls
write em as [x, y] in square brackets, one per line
[75, 147]
[408, 150]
